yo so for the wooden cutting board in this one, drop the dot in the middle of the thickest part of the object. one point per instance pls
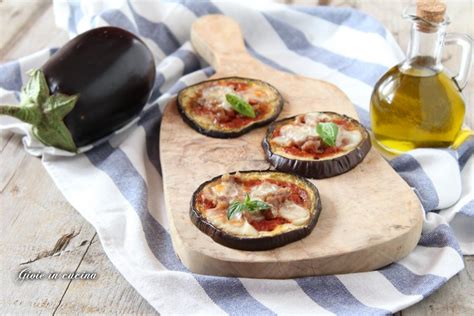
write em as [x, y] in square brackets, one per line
[370, 217]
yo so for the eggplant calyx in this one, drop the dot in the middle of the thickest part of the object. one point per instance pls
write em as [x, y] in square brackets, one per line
[44, 112]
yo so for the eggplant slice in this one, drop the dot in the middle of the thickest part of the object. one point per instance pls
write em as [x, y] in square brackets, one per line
[295, 208]
[203, 106]
[354, 144]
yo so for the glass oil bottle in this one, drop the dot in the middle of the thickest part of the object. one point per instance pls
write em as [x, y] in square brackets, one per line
[416, 103]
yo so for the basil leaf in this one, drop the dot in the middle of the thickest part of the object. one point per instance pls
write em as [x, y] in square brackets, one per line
[235, 208]
[240, 105]
[247, 200]
[257, 205]
[328, 132]
[248, 205]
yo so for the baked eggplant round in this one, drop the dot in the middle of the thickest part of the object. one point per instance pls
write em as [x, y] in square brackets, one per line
[297, 145]
[256, 210]
[207, 109]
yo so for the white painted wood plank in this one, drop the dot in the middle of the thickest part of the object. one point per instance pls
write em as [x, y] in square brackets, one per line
[33, 217]
[15, 18]
[110, 293]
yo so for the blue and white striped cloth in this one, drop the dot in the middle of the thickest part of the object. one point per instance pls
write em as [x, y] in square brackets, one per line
[117, 186]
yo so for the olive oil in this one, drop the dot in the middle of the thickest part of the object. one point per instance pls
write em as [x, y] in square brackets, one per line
[416, 107]
[416, 103]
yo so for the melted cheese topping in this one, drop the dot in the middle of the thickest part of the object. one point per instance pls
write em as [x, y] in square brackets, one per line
[255, 93]
[313, 118]
[239, 225]
[353, 138]
[258, 192]
[294, 134]
[245, 229]
[214, 96]
[227, 188]
[206, 106]
[299, 133]
[294, 213]
[263, 189]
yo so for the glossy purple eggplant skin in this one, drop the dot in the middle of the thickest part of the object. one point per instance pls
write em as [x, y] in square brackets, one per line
[113, 73]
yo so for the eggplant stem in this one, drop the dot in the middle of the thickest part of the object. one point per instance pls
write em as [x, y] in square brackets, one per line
[44, 112]
[47, 127]
[28, 115]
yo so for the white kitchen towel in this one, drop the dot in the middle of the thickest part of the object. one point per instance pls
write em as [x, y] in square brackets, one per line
[116, 185]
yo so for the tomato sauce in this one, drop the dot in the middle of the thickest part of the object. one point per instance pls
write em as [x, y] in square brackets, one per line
[276, 132]
[200, 110]
[326, 151]
[261, 110]
[238, 120]
[298, 195]
[238, 86]
[207, 204]
[268, 224]
[346, 124]
[248, 184]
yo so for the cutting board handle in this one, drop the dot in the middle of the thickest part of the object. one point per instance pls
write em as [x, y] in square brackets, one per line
[218, 39]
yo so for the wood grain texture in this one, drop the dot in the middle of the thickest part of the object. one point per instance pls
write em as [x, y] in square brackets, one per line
[109, 294]
[42, 34]
[5, 137]
[11, 155]
[363, 225]
[34, 215]
[453, 299]
[15, 19]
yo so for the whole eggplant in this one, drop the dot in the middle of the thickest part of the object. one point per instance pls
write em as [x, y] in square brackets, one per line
[107, 72]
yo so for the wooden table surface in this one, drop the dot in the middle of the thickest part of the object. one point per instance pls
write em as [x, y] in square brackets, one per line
[42, 232]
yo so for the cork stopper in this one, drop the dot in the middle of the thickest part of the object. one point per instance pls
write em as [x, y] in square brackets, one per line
[431, 10]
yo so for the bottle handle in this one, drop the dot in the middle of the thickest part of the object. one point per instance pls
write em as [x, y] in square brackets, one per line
[465, 41]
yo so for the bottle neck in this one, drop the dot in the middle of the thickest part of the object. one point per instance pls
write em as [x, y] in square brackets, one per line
[425, 48]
